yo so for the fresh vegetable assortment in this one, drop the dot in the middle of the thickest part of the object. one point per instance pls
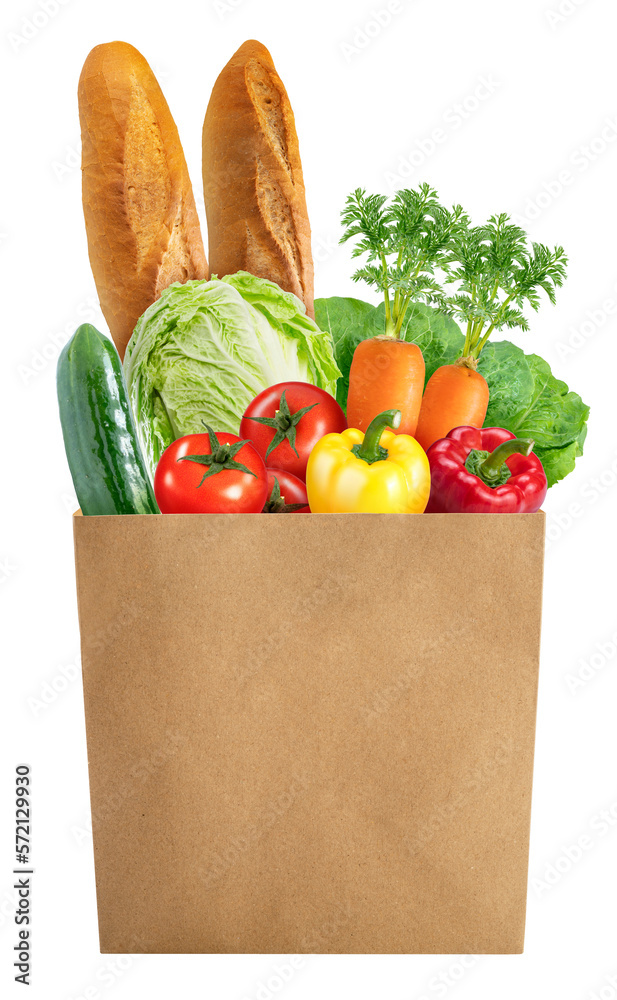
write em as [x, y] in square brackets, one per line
[494, 272]
[380, 409]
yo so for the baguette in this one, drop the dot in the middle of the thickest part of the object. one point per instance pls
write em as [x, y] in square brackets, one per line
[141, 222]
[253, 183]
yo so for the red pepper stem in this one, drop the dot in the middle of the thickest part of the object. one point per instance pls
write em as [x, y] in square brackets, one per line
[491, 466]
[369, 451]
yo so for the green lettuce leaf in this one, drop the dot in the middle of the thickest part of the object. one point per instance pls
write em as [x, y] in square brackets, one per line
[510, 381]
[525, 396]
[527, 399]
[548, 412]
[559, 462]
[205, 349]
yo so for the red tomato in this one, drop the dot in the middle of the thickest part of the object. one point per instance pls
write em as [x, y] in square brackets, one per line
[286, 421]
[291, 490]
[205, 474]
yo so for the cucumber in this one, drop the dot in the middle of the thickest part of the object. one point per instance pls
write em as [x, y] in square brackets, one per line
[104, 456]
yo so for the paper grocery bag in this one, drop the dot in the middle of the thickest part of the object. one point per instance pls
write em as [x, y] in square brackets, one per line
[310, 733]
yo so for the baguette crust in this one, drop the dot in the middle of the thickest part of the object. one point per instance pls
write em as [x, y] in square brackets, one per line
[253, 183]
[141, 222]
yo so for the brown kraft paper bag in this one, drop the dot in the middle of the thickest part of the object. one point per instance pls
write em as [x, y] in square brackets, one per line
[310, 733]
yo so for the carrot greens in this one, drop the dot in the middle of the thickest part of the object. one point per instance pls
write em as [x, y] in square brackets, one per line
[405, 243]
[498, 272]
[417, 250]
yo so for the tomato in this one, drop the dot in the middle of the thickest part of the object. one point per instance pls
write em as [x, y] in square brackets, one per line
[210, 474]
[290, 491]
[286, 421]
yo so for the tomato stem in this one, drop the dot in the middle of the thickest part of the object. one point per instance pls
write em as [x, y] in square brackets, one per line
[221, 457]
[284, 424]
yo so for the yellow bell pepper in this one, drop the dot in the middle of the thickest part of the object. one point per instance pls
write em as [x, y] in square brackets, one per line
[373, 473]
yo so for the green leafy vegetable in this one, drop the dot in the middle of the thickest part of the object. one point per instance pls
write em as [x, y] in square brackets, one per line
[525, 397]
[205, 349]
[559, 462]
[537, 405]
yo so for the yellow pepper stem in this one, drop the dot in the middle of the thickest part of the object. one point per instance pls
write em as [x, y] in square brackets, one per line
[370, 450]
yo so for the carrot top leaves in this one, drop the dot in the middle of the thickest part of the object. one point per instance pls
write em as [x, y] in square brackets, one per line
[415, 248]
[404, 242]
[498, 271]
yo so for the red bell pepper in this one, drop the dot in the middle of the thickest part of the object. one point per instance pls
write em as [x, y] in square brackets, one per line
[483, 471]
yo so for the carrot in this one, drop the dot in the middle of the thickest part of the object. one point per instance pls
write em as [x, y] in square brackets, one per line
[385, 374]
[455, 396]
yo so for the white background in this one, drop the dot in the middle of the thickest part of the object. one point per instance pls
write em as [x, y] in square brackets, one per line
[364, 106]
